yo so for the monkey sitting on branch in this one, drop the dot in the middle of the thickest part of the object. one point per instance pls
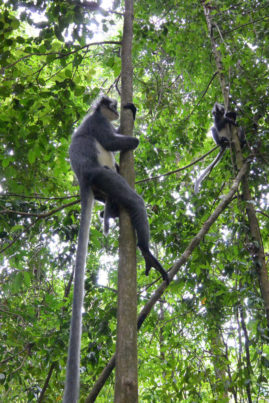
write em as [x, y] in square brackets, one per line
[222, 132]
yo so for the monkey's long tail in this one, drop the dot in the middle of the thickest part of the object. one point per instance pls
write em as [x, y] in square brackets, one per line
[71, 389]
[208, 170]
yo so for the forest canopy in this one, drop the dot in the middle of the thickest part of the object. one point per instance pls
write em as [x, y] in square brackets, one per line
[205, 337]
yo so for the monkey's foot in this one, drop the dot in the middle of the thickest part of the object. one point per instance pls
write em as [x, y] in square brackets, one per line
[151, 261]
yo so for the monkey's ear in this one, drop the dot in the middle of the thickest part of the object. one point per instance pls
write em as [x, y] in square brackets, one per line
[218, 109]
[131, 106]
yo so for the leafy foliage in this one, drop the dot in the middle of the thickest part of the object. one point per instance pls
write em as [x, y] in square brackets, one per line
[206, 340]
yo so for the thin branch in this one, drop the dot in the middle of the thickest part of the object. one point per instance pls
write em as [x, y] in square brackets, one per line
[19, 367]
[37, 196]
[60, 55]
[14, 355]
[46, 384]
[40, 215]
[137, 182]
[248, 362]
[244, 25]
[44, 215]
[262, 213]
[202, 96]
[70, 197]
[115, 83]
[179, 169]
[115, 12]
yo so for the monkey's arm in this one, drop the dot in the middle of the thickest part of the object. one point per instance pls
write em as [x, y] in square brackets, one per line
[230, 117]
[215, 135]
[118, 142]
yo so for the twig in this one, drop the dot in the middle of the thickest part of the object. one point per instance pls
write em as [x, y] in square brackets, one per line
[19, 367]
[46, 382]
[40, 215]
[44, 215]
[244, 25]
[37, 196]
[263, 213]
[61, 55]
[202, 96]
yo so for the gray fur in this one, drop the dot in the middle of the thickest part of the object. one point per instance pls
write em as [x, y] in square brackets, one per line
[224, 124]
[92, 158]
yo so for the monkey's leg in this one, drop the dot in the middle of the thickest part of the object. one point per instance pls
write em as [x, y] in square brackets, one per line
[117, 189]
[111, 210]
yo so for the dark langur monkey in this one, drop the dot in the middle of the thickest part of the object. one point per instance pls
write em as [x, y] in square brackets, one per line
[222, 132]
[92, 158]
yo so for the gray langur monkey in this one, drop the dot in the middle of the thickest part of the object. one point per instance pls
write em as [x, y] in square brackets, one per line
[222, 132]
[92, 158]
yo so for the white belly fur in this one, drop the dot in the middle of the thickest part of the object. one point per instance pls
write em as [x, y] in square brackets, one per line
[105, 158]
[225, 133]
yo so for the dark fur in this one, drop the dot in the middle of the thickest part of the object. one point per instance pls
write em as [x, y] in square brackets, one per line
[90, 173]
[224, 124]
[109, 186]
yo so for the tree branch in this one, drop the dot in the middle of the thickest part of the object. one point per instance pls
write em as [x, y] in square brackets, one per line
[44, 215]
[179, 169]
[172, 272]
[59, 55]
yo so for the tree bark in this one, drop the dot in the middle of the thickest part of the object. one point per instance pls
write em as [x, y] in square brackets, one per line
[126, 385]
[248, 362]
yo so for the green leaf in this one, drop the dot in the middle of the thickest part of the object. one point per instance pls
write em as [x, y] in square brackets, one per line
[17, 282]
[27, 278]
[31, 156]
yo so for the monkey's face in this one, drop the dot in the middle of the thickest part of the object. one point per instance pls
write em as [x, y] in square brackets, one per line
[218, 111]
[109, 109]
[113, 109]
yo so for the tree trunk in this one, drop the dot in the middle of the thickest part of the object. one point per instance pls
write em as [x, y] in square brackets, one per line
[257, 250]
[126, 386]
[220, 387]
[248, 363]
